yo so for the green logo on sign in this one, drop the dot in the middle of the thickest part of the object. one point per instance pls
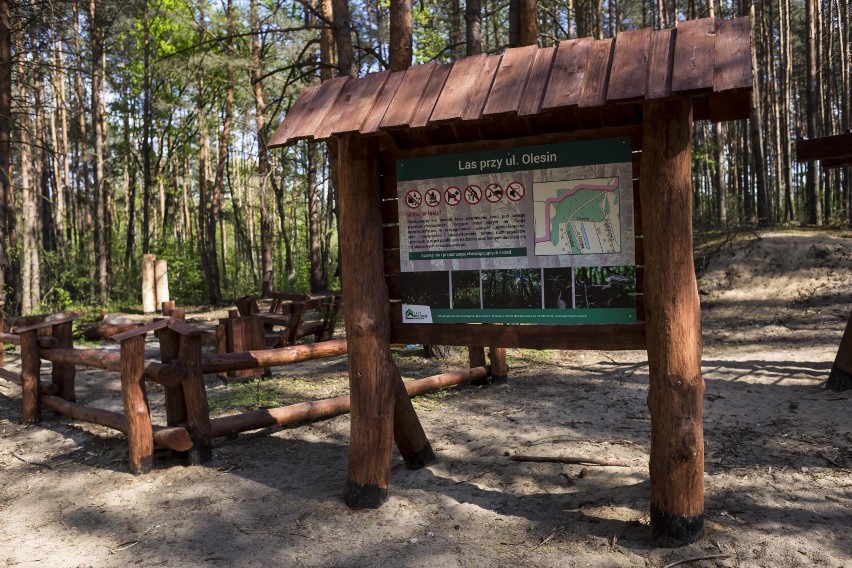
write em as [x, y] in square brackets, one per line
[413, 315]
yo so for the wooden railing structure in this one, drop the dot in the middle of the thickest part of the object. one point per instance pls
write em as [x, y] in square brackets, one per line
[189, 427]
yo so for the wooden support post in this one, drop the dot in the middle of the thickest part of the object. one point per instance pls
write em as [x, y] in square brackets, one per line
[30, 377]
[372, 372]
[63, 374]
[140, 436]
[673, 323]
[243, 334]
[169, 353]
[476, 358]
[167, 307]
[499, 367]
[411, 440]
[840, 378]
[195, 396]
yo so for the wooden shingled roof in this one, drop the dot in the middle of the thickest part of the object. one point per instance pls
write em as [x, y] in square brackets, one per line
[707, 59]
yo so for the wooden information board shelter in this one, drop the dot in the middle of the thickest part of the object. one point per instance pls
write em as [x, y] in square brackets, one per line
[833, 152]
[648, 86]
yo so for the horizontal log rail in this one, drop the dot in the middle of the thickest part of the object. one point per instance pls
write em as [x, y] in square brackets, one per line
[171, 437]
[222, 362]
[329, 407]
[44, 341]
[10, 376]
[44, 386]
[166, 375]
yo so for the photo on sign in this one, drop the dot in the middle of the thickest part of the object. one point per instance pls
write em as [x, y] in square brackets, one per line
[426, 289]
[605, 287]
[511, 289]
[466, 290]
[559, 288]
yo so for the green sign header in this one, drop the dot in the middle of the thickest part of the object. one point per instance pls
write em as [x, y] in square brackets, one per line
[525, 158]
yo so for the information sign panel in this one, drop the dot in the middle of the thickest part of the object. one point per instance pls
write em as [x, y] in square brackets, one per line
[536, 234]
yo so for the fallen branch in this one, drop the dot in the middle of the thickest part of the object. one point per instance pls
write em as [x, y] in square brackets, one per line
[696, 559]
[570, 460]
[40, 464]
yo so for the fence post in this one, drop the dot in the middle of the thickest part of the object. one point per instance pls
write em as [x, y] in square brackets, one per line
[64, 374]
[140, 436]
[195, 397]
[30, 377]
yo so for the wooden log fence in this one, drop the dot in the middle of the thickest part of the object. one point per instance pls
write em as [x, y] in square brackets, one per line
[330, 407]
[189, 428]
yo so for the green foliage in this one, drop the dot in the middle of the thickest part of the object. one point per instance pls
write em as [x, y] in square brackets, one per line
[430, 31]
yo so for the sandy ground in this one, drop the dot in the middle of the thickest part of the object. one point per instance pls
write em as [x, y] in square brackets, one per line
[778, 455]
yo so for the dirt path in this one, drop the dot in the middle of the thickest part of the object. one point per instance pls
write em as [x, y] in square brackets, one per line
[778, 456]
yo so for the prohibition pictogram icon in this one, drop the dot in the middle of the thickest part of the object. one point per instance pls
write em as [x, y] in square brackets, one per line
[515, 191]
[473, 194]
[432, 197]
[494, 192]
[452, 195]
[413, 199]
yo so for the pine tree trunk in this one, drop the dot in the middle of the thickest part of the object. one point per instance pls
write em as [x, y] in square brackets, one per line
[223, 154]
[266, 262]
[400, 35]
[813, 207]
[30, 291]
[343, 39]
[473, 26]
[7, 200]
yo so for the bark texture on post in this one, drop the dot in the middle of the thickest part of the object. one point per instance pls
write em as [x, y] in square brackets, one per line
[372, 372]
[367, 325]
[30, 377]
[195, 398]
[408, 433]
[169, 352]
[63, 374]
[673, 325]
[840, 378]
[499, 366]
[140, 436]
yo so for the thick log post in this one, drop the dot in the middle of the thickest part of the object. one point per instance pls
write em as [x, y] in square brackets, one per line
[169, 353]
[840, 378]
[149, 284]
[195, 396]
[167, 307]
[476, 358]
[411, 440]
[673, 323]
[140, 436]
[30, 377]
[63, 374]
[372, 372]
[499, 366]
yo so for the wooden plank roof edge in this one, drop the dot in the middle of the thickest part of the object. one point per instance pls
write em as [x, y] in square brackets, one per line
[317, 103]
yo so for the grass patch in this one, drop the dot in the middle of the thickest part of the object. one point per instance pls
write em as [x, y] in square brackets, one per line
[270, 393]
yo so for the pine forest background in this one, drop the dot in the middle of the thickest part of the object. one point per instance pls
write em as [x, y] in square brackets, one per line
[140, 126]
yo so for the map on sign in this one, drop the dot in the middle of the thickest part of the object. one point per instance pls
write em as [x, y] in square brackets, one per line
[577, 217]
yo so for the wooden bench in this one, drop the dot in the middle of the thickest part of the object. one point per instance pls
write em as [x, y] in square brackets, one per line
[294, 316]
